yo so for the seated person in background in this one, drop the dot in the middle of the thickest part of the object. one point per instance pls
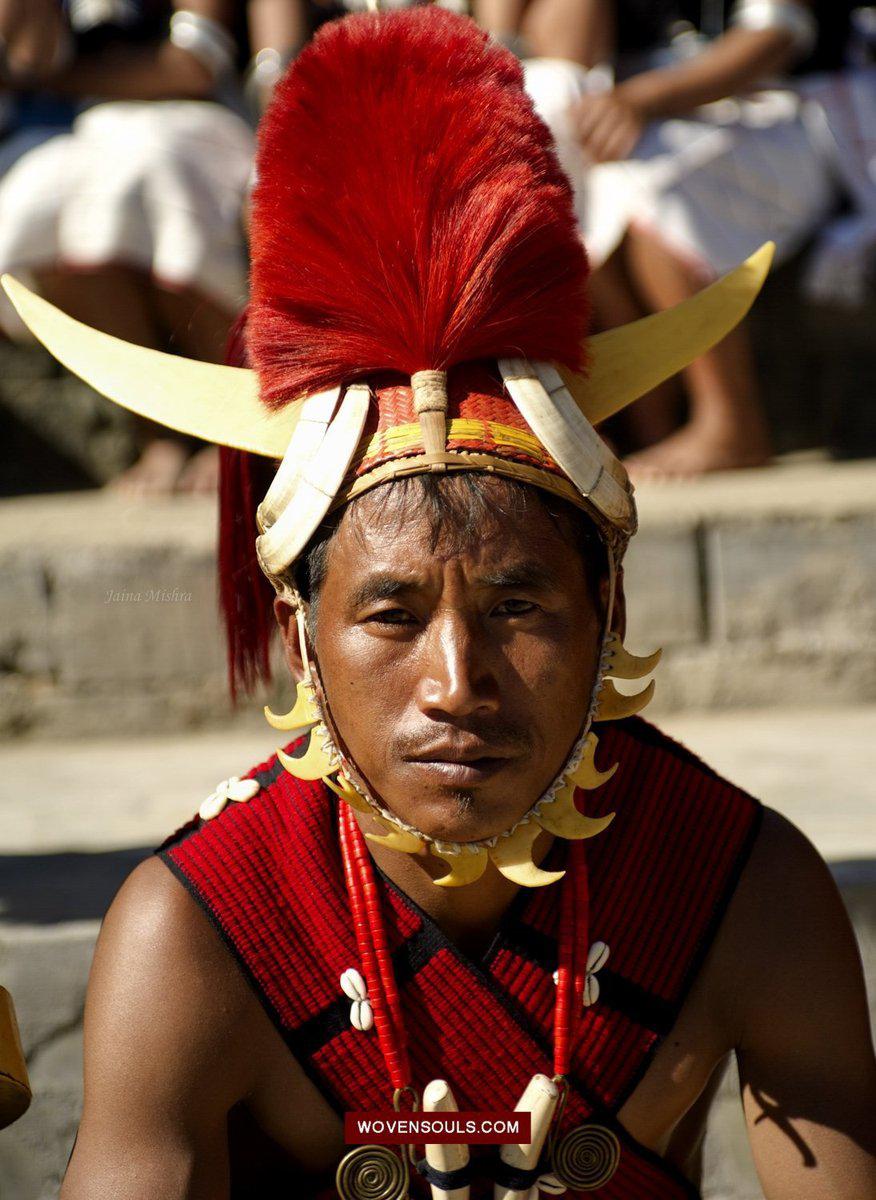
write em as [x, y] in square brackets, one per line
[131, 218]
[382, 909]
[687, 149]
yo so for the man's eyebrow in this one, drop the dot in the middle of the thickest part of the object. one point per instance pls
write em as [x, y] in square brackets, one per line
[520, 575]
[384, 586]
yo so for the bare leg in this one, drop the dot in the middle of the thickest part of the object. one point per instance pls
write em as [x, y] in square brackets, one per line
[117, 301]
[615, 303]
[726, 426]
[579, 30]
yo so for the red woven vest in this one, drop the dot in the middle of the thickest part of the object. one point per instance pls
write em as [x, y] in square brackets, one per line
[269, 874]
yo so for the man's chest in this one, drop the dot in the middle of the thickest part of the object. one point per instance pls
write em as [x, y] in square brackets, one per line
[306, 1133]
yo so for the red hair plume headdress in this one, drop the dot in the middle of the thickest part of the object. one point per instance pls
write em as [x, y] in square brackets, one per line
[410, 211]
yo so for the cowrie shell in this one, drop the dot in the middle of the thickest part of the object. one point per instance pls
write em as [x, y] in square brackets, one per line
[353, 985]
[591, 990]
[550, 1184]
[597, 956]
[241, 790]
[361, 1016]
[212, 806]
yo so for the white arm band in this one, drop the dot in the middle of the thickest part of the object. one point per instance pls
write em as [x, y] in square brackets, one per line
[778, 14]
[205, 39]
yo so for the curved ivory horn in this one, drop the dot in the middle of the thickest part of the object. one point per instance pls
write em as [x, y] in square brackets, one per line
[540, 1101]
[216, 403]
[623, 665]
[221, 404]
[629, 361]
[561, 817]
[437, 1098]
[398, 839]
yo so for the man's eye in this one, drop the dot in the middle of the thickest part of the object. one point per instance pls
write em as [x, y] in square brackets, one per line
[390, 616]
[515, 608]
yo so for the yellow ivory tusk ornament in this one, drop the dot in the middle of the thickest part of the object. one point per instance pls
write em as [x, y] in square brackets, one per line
[539, 1099]
[343, 788]
[512, 856]
[445, 1157]
[561, 817]
[315, 762]
[398, 839]
[464, 868]
[302, 716]
[623, 665]
[613, 706]
[587, 775]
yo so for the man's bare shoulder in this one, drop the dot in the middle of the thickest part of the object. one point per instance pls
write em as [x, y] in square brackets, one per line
[165, 989]
[786, 932]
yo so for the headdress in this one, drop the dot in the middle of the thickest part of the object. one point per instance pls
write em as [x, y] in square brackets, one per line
[418, 305]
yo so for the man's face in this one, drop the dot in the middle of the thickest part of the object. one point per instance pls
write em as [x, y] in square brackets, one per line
[457, 676]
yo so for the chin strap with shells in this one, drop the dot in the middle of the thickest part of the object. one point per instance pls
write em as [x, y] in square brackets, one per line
[511, 851]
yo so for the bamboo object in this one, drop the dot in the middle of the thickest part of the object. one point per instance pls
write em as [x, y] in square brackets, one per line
[15, 1093]
[438, 1098]
[540, 1101]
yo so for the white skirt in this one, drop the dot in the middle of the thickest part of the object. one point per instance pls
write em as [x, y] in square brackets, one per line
[157, 185]
[713, 186]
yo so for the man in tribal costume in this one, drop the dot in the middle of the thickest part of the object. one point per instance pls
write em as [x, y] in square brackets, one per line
[473, 876]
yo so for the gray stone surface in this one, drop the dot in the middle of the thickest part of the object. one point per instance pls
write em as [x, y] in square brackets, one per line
[662, 584]
[796, 584]
[760, 586]
[46, 971]
[134, 616]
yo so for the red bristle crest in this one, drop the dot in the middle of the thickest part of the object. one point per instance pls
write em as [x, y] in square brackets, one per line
[245, 596]
[410, 211]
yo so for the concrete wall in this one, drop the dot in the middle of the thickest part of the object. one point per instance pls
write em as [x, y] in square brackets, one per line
[761, 588]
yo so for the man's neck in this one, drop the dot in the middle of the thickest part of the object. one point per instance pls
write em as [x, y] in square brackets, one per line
[468, 915]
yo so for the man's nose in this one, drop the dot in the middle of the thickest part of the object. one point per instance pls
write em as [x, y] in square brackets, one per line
[456, 677]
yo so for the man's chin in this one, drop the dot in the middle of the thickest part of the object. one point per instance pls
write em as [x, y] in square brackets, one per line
[460, 814]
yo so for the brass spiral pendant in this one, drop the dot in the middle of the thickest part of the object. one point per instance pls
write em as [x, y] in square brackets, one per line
[372, 1173]
[586, 1158]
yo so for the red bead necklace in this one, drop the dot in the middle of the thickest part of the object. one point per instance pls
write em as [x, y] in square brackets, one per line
[377, 964]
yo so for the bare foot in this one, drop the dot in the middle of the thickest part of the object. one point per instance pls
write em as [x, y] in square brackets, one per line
[696, 449]
[156, 471]
[201, 473]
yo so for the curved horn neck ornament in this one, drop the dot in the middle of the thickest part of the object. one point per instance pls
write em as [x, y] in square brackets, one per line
[557, 811]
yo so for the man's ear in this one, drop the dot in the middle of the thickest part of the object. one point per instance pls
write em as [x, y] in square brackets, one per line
[288, 623]
[618, 622]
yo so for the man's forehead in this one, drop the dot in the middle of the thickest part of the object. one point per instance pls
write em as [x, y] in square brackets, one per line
[384, 581]
[409, 533]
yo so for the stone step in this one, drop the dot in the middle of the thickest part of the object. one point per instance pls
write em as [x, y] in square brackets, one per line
[760, 585]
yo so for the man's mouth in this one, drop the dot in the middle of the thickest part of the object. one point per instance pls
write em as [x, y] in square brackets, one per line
[461, 766]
